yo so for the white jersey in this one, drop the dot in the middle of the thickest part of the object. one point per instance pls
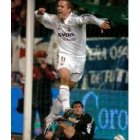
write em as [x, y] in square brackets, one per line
[71, 33]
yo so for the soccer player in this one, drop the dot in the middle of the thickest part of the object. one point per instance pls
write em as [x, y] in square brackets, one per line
[71, 32]
[82, 128]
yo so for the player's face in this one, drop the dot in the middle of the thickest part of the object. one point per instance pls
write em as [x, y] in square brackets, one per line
[78, 110]
[63, 10]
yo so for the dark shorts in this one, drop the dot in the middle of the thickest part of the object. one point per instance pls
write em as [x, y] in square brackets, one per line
[80, 136]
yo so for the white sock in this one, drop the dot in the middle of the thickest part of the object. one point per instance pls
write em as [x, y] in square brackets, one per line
[64, 97]
[55, 109]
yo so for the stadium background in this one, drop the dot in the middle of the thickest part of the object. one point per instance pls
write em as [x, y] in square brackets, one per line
[104, 86]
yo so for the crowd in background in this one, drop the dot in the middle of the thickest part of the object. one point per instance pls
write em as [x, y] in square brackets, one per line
[18, 14]
[108, 2]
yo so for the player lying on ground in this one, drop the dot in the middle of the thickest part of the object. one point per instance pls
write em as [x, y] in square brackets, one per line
[81, 128]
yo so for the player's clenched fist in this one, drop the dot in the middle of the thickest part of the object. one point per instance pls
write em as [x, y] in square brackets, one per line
[41, 11]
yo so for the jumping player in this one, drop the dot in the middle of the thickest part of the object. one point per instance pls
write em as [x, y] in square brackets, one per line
[71, 32]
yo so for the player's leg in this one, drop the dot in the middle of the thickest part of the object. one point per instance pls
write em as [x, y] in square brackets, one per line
[74, 77]
[55, 110]
[72, 84]
[68, 130]
[77, 72]
[64, 93]
[63, 97]
[69, 78]
[65, 86]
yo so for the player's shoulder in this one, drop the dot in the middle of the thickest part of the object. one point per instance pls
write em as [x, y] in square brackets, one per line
[74, 16]
[87, 116]
[78, 19]
[89, 119]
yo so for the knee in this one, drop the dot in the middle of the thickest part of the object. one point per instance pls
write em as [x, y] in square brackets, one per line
[64, 80]
[69, 131]
[71, 84]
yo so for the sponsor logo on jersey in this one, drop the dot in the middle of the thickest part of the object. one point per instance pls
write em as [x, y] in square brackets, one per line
[65, 34]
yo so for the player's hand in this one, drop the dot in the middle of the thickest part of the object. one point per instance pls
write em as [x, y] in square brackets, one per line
[105, 25]
[41, 11]
[73, 120]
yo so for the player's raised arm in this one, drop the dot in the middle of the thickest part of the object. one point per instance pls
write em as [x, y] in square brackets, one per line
[91, 19]
[44, 18]
[41, 11]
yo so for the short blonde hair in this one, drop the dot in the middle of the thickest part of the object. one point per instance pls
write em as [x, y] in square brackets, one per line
[69, 3]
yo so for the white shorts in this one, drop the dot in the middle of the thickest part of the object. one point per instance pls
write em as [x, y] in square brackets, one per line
[74, 64]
